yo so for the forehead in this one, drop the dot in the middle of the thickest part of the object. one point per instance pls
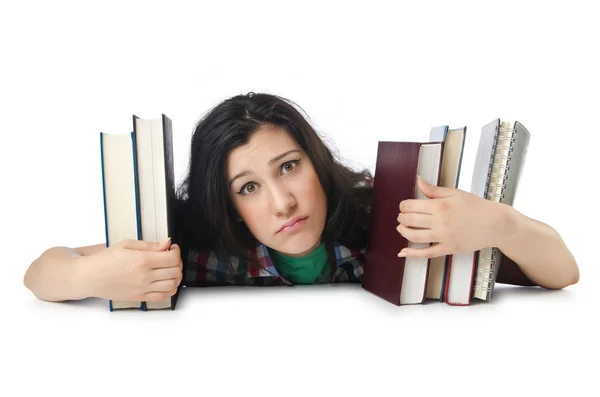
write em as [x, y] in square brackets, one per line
[264, 144]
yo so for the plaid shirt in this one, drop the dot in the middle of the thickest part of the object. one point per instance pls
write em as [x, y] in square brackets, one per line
[204, 269]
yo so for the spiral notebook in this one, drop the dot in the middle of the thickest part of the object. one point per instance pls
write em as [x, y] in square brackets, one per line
[498, 163]
[509, 142]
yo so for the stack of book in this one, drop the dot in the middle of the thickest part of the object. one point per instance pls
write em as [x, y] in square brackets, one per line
[138, 187]
[458, 278]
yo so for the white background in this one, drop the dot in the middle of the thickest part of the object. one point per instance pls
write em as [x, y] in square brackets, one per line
[363, 72]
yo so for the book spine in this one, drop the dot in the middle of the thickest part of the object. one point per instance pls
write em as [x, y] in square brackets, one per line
[167, 127]
[137, 193]
[110, 306]
[103, 187]
[460, 160]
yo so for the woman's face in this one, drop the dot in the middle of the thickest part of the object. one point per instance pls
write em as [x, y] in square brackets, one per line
[272, 181]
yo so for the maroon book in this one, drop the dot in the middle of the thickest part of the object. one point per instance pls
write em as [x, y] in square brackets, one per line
[395, 180]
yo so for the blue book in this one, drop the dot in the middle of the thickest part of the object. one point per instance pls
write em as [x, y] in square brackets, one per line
[454, 144]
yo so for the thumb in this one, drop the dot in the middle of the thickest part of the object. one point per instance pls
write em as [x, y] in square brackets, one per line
[432, 191]
[140, 245]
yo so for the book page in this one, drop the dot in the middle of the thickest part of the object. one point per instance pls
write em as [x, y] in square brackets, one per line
[414, 280]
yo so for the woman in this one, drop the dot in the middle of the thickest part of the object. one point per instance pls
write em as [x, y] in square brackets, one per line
[265, 202]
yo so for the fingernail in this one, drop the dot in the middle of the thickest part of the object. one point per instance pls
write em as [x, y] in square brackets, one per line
[167, 240]
[402, 254]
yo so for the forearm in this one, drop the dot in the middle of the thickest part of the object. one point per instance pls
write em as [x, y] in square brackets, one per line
[537, 248]
[58, 275]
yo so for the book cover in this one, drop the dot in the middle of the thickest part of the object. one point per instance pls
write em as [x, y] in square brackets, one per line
[386, 274]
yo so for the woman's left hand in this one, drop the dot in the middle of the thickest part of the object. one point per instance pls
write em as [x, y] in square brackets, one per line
[456, 220]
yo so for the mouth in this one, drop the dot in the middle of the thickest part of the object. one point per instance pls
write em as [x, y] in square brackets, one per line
[292, 224]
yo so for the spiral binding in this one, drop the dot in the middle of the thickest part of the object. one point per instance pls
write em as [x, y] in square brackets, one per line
[485, 277]
[501, 166]
[504, 129]
[502, 170]
[497, 185]
[485, 289]
[499, 195]
[508, 147]
[504, 137]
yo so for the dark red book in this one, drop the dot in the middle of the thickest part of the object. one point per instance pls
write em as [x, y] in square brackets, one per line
[399, 280]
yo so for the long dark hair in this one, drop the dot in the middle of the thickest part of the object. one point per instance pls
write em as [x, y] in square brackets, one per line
[205, 217]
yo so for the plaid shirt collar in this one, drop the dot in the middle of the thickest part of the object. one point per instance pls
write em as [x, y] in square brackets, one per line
[210, 268]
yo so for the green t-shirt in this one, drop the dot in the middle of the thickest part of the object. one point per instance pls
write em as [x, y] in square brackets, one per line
[311, 268]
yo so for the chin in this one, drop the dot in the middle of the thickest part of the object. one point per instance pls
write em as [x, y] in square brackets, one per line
[298, 245]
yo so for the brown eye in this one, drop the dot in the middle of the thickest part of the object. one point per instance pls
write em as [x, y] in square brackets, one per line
[290, 165]
[247, 189]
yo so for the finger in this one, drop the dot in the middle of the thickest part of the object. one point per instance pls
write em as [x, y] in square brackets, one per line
[157, 296]
[163, 285]
[165, 273]
[416, 205]
[146, 245]
[434, 191]
[414, 219]
[162, 259]
[432, 251]
[416, 235]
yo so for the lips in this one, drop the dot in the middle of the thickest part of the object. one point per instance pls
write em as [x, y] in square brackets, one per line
[291, 222]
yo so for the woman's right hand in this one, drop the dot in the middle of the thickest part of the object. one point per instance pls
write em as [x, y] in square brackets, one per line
[134, 270]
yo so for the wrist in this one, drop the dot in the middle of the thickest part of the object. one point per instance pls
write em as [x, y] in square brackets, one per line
[505, 231]
[85, 277]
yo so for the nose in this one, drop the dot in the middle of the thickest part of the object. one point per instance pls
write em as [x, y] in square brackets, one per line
[283, 200]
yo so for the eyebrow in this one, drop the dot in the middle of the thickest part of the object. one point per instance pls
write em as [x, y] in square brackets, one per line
[273, 160]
